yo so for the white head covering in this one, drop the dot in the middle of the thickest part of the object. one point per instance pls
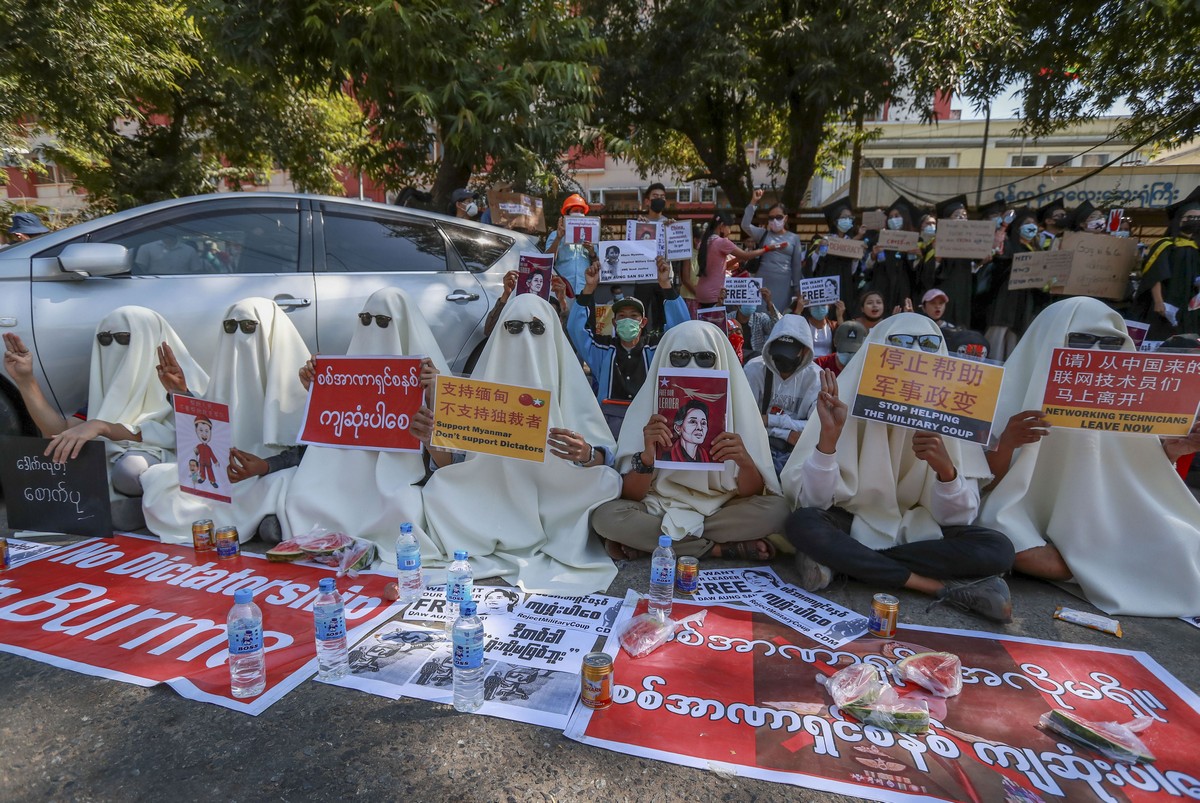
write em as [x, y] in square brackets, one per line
[1113, 505]
[887, 487]
[686, 498]
[123, 387]
[256, 375]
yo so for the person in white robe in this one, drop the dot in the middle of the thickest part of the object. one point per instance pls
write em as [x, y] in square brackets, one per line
[1104, 509]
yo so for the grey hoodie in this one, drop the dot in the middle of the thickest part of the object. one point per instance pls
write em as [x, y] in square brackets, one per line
[792, 399]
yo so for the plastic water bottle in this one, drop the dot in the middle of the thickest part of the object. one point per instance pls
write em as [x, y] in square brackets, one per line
[467, 639]
[329, 615]
[460, 581]
[247, 664]
[662, 578]
[408, 565]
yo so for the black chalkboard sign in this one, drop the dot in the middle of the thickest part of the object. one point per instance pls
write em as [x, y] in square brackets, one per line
[70, 497]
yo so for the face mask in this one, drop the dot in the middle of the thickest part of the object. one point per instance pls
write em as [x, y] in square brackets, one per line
[1029, 231]
[747, 310]
[845, 357]
[785, 364]
[844, 224]
[628, 329]
[1189, 227]
[1096, 225]
[929, 231]
[1120, 234]
[894, 223]
[574, 213]
[775, 225]
[819, 313]
[472, 209]
[999, 223]
[657, 205]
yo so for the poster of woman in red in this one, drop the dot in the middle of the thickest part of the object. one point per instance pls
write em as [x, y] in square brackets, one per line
[695, 403]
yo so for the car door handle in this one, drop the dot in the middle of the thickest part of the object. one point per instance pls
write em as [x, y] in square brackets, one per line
[288, 301]
[462, 295]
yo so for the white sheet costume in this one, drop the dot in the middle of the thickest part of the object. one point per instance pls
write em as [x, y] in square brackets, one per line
[523, 521]
[256, 375]
[1113, 505]
[369, 494]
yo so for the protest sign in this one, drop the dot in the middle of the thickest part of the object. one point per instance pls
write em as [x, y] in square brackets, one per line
[695, 403]
[132, 609]
[903, 241]
[1122, 391]
[647, 231]
[1137, 332]
[593, 613]
[364, 403]
[512, 210]
[432, 606]
[203, 437]
[1194, 621]
[679, 240]
[46, 496]
[604, 320]
[21, 551]
[844, 247]
[952, 396]
[1100, 266]
[490, 418]
[874, 219]
[1035, 270]
[751, 687]
[714, 315]
[732, 586]
[964, 239]
[581, 229]
[1114, 220]
[743, 290]
[821, 290]
[628, 261]
[533, 273]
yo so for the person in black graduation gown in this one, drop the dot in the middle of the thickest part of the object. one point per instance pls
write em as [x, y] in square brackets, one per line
[984, 281]
[840, 218]
[954, 277]
[1170, 273]
[1012, 310]
[894, 273]
[1053, 218]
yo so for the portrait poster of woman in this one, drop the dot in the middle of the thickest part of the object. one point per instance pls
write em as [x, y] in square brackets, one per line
[534, 274]
[695, 403]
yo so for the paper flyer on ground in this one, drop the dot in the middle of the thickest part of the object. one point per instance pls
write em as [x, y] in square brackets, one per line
[695, 403]
[364, 403]
[21, 551]
[203, 436]
[471, 415]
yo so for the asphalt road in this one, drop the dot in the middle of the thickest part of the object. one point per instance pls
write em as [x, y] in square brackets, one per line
[68, 736]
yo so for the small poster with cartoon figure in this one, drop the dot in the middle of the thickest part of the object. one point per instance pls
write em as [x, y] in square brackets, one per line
[695, 402]
[533, 274]
[203, 438]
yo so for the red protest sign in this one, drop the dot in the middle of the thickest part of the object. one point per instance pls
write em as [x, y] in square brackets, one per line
[1123, 391]
[135, 610]
[364, 403]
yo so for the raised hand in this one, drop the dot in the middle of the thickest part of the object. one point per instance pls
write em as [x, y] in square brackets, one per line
[18, 361]
[831, 411]
[169, 373]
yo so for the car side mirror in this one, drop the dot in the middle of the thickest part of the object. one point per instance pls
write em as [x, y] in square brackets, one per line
[94, 259]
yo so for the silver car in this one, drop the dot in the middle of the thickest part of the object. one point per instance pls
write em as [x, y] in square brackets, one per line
[189, 259]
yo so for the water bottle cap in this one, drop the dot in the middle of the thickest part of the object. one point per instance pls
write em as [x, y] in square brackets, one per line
[326, 586]
[242, 596]
[664, 540]
[460, 554]
[406, 527]
[467, 608]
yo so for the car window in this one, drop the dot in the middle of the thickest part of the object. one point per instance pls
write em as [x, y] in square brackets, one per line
[478, 249]
[260, 240]
[364, 243]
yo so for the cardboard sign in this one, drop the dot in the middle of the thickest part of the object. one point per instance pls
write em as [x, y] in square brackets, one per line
[628, 261]
[844, 247]
[1035, 270]
[1123, 391]
[44, 496]
[647, 231]
[904, 241]
[964, 239]
[679, 240]
[821, 290]
[914, 389]
[516, 210]
[695, 403]
[581, 230]
[203, 438]
[364, 403]
[534, 273]
[874, 219]
[743, 290]
[604, 320]
[490, 418]
[1101, 264]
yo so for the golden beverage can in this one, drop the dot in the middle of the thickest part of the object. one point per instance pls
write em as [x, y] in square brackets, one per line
[687, 575]
[204, 535]
[4, 558]
[885, 610]
[228, 546]
[597, 684]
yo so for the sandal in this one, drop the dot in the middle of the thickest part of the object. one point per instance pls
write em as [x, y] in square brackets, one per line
[759, 550]
[618, 551]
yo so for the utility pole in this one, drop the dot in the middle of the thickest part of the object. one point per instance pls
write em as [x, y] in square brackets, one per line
[987, 124]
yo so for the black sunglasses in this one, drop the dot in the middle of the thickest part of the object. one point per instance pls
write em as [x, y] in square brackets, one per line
[536, 327]
[704, 359]
[928, 343]
[249, 326]
[106, 338]
[776, 217]
[1082, 340]
[381, 321]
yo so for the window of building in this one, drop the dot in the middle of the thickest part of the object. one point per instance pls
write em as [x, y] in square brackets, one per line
[1096, 159]
[937, 161]
[683, 195]
[708, 195]
[1059, 160]
[873, 161]
[53, 175]
[1023, 160]
[904, 162]
[595, 197]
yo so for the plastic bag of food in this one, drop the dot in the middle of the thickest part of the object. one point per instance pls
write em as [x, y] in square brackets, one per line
[348, 555]
[939, 672]
[862, 692]
[645, 633]
[1113, 740]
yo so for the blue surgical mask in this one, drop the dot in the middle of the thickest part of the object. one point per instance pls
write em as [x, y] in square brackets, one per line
[1120, 233]
[845, 356]
[895, 223]
[628, 329]
[929, 231]
[844, 224]
[747, 309]
[819, 313]
[1029, 231]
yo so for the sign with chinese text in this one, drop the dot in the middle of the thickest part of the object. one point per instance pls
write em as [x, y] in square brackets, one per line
[203, 437]
[364, 403]
[471, 415]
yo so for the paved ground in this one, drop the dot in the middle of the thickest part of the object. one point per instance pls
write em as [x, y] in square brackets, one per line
[67, 736]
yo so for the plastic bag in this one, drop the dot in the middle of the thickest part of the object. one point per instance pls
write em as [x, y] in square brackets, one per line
[347, 554]
[861, 691]
[645, 633]
[1113, 740]
[939, 672]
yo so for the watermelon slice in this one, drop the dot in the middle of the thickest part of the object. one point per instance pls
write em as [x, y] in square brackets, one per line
[1112, 739]
[285, 552]
[901, 716]
[939, 672]
[325, 545]
[859, 685]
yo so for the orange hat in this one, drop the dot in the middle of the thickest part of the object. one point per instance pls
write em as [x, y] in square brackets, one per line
[575, 200]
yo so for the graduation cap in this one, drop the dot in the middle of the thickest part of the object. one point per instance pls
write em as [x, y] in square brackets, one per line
[992, 209]
[830, 211]
[1079, 216]
[1173, 210]
[949, 206]
[905, 207]
[1049, 209]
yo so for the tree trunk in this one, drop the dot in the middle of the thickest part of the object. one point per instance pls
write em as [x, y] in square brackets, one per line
[805, 126]
[452, 174]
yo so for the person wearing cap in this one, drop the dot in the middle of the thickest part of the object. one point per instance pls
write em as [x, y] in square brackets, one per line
[781, 270]
[570, 259]
[755, 326]
[894, 273]
[785, 384]
[847, 340]
[1171, 274]
[933, 304]
[25, 226]
[1086, 217]
[840, 218]
[619, 363]
[1052, 217]
[464, 204]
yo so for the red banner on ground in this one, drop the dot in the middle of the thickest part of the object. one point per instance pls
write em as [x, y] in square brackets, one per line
[132, 609]
[364, 403]
[740, 694]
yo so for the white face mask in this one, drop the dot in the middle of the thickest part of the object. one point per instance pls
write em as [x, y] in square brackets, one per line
[775, 225]
[895, 223]
[574, 213]
[1096, 225]
[1120, 234]
[472, 209]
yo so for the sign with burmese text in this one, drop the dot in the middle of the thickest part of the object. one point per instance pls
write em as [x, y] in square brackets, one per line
[1123, 391]
[471, 415]
[364, 403]
[44, 495]
[954, 397]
